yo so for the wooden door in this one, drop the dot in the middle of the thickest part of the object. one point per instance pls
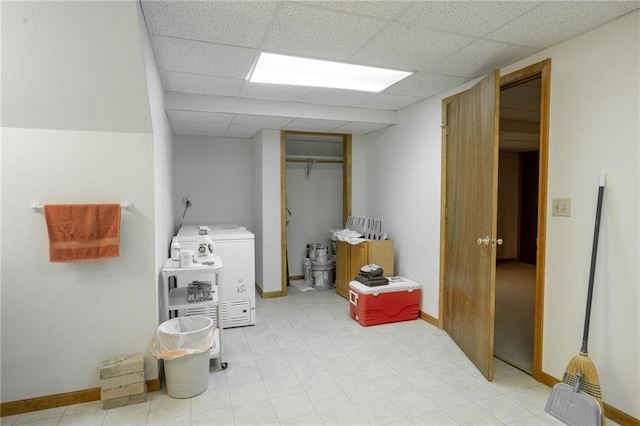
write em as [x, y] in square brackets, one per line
[470, 187]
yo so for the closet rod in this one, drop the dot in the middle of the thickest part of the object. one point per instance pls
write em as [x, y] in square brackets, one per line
[37, 207]
[317, 159]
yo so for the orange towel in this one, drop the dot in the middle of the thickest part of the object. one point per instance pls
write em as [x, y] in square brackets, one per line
[81, 232]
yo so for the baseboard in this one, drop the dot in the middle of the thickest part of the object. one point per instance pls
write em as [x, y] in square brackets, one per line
[619, 417]
[431, 320]
[60, 400]
[296, 277]
[268, 294]
[610, 412]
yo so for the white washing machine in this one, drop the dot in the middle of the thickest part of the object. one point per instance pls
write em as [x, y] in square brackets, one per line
[236, 247]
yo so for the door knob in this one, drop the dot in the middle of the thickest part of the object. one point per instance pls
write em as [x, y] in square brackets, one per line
[496, 241]
[483, 241]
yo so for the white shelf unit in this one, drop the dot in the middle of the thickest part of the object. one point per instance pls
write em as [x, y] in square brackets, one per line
[175, 299]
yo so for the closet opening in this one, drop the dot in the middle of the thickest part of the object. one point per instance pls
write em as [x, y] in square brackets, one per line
[315, 197]
[517, 221]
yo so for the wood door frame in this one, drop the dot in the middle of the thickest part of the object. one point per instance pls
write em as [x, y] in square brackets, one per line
[346, 190]
[540, 70]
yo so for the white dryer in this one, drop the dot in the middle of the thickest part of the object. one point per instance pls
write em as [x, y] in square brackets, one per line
[236, 247]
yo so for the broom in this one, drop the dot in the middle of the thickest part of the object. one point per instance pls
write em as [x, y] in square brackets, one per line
[581, 362]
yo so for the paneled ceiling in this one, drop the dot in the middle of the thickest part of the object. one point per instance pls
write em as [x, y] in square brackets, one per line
[206, 49]
[520, 117]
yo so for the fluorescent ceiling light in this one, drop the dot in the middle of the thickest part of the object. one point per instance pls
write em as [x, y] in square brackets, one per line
[280, 69]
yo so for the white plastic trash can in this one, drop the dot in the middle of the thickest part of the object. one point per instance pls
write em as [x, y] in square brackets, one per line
[183, 343]
[187, 376]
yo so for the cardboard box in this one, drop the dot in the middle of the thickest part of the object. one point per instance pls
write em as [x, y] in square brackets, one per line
[397, 301]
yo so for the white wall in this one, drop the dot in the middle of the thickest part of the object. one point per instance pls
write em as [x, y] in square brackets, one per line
[402, 188]
[314, 198]
[61, 320]
[359, 161]
[593, 127]
[316, 208]
[267, 210]
[60, 72]
[162, 155]
[75, 128]
[217, 174]
[257, 207]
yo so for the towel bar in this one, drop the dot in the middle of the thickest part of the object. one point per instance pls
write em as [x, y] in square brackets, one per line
[127, 205]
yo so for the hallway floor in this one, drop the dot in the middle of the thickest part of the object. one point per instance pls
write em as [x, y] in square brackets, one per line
[306, 362]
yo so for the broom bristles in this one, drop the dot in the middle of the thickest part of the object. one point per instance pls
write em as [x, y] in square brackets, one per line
[582, 364]
[590, 382]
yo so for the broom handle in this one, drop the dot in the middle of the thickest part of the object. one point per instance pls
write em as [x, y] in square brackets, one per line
[594, 252]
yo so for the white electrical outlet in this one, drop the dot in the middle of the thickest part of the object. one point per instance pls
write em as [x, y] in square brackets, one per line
[186, 200]
[562, 207]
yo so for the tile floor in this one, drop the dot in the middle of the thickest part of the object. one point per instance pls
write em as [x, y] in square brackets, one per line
[306, 362]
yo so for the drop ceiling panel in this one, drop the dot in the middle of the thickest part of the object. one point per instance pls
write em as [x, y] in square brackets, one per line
[522, 137]
[360, 128]
[522, 115]
[314, 125]
[531, 106]
[519, 94]
[561, 20]
[197, 57]
[236, 23]
[390, 102]
[481, 57]
[424, 84]
[201, 84]
[465, 17]
[239, 131]
[304, 139]
[410, 47]
[376, 9]
[319, 33]
[518, 146]
[199, 116]
[337, 97]
[208, 48]
[276, 92]
[198, 128]
[261, 121]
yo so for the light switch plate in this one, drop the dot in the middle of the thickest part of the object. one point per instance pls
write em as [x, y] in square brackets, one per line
[562, 207]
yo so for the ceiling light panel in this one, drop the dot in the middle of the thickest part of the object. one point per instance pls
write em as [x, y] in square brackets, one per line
[280, 69]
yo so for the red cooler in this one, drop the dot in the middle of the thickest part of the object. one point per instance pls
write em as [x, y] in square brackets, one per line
[397, 301]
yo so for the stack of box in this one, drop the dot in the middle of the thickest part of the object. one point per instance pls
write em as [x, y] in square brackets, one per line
[123, 381]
